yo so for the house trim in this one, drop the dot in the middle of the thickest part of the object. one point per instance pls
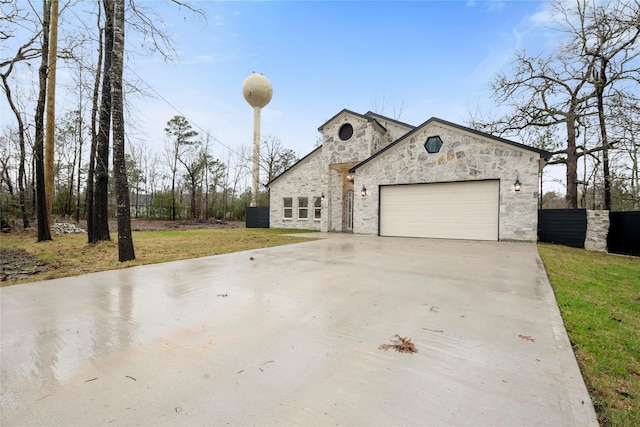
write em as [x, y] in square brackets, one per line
[353, 113]
[389, 119]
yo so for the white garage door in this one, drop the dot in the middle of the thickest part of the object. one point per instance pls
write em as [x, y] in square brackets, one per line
[453, 210]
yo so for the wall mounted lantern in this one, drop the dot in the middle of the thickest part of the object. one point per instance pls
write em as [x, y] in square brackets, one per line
[363, 192]
[517, 185]
[322, 197]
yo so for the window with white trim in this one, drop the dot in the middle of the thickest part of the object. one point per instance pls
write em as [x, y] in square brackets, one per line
[317, 208]
[288, 208]
[303, 207]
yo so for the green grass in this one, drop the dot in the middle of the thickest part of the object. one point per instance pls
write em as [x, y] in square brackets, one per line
[70, 255]
[599, 298]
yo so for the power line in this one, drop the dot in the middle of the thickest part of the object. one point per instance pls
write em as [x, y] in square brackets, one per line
[185, 116]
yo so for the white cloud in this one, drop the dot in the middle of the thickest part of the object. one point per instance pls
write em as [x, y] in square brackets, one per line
[489, 5]
[494, 5]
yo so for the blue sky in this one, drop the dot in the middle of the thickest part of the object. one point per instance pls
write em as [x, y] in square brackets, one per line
[434, 58]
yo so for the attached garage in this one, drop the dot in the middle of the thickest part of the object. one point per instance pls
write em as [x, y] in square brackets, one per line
[451, 210]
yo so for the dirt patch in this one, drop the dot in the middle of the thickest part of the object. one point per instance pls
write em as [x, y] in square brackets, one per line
[18, 263]
[138, 224]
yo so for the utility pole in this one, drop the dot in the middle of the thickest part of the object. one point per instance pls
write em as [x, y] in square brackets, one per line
[51, 108]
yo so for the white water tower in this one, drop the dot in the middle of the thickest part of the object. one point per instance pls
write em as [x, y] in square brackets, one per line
[257, 90]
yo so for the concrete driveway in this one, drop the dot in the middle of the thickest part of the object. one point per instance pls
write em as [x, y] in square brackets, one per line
[291, 335]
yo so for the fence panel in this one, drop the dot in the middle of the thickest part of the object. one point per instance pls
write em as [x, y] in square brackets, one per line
[624, 233]
[563, 226]
[257, 217]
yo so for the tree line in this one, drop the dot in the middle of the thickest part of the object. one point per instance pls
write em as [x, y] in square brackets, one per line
[184, 180]
[80, 163]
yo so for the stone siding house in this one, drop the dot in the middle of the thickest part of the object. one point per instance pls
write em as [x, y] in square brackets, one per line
[378, 176]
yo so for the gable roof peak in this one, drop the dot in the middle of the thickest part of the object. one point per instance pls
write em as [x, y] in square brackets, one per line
[389, 119]
[366, 117]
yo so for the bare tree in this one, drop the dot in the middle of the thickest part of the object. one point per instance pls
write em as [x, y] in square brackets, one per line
[275, 159]
[626, 124]
[26, 52]
[217, 172]
[80, 145]
[380, 106]
[195, 163]
[607, 35]
[544, 92]
[125, 240]
[44, 233]
[68, 136]
[89, 200]
[571, 84]
[240, 170]
[101, 191]
[137, 172]
[5, 177]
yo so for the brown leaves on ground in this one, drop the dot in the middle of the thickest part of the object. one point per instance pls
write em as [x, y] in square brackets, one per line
[401, 344]
[527, 338]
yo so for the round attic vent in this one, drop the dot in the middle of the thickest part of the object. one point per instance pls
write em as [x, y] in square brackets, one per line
[345, 132]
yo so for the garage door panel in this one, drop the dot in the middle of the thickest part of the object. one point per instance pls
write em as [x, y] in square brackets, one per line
[460, 210]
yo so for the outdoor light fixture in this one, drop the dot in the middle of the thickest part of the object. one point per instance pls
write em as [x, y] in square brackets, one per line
[363, 192]
[516, 185]
[322, 197]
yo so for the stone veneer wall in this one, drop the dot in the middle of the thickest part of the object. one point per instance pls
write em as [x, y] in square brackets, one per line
[334, 211]
[305, 179]
[463, 157]
[597, 230]
[356, 148]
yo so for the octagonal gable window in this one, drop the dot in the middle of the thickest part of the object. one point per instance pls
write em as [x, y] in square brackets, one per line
[345, 132]
[433, 144]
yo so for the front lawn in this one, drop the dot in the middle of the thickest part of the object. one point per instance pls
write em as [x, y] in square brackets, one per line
[599, 298]
[70, 255]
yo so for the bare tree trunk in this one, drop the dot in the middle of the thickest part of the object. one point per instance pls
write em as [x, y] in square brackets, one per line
[71, 182]
[4, 175]
[41, 197]
[125, 241]
[571, 197]
[173, 197]
[89, 201]
[21, 139]
[80, 141]
[600, 84]
[51, 108]
[101, 194]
